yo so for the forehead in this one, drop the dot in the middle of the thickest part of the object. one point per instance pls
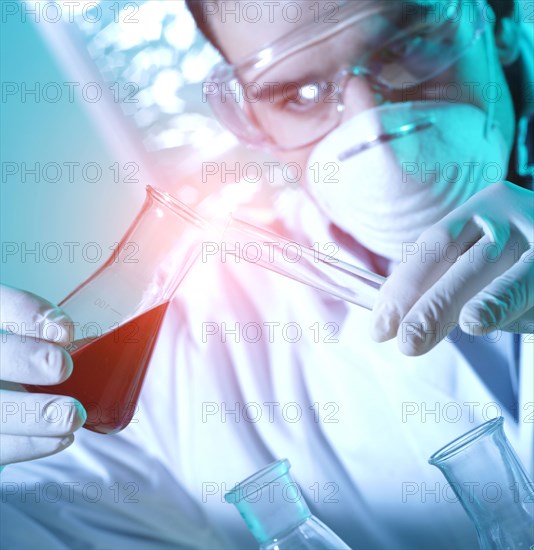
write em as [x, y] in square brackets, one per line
[243, 27]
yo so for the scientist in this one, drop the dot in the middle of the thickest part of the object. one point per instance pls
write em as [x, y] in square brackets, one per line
[433, 190]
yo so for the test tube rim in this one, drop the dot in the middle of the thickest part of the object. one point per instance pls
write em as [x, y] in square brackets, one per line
[176, 206]
[281, 467]
[462, 442]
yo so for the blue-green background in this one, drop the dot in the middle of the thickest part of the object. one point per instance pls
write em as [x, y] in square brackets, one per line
[47, 212]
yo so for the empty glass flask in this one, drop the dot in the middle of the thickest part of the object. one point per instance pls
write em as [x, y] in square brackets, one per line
[492, 486]
[276, 513]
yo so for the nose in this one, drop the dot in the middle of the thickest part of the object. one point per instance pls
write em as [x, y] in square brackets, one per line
[359, 95]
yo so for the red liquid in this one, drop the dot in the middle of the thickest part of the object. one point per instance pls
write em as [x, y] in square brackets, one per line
[109, 372]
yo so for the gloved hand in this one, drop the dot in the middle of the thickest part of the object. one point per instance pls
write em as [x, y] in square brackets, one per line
[34, 425]
[474, 268]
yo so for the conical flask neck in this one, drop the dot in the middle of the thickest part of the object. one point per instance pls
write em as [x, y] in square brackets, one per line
[491, 484]
[270, 502]
[145, 268]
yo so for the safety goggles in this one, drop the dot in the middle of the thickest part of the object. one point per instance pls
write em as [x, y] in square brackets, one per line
[291, 94]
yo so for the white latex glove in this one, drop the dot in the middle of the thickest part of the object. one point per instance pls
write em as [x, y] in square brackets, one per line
[490, 286]
[34, 425]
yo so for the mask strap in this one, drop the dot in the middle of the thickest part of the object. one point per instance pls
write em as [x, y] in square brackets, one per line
[490, 58]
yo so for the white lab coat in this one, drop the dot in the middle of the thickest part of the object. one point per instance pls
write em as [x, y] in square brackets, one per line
[362, 466]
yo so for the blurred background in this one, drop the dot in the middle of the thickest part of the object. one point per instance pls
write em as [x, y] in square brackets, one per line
[100, 99]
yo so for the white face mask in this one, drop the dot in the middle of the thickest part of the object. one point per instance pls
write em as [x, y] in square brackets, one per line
[403, 167]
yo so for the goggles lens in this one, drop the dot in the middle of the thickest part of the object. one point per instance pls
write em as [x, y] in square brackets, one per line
[291, 94]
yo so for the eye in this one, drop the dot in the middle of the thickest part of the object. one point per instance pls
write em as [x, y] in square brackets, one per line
[304, 98]
[310, 92]
[403, 47]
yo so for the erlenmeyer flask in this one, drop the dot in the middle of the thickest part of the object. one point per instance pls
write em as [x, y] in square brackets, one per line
[119, 309]
[276, 513]
[492, 486]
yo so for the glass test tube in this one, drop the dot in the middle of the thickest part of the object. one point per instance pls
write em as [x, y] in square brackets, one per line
[302, 263]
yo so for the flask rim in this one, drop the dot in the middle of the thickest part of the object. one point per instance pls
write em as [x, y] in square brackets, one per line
[465, 440]
[176, 206]
[260, 479]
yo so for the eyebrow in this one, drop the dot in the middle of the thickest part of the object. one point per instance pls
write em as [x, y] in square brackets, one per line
[301, 69]
[316, 64]
[282, 86]
[364, 41]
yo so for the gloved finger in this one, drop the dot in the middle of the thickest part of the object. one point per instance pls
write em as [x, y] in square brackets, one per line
[436, 250]
[14, 386]
[23, 312]
[437, 312]
[502, 302]
[24, 360]
[39, 414]
[518, 205]
[19, 448]
[524, 324]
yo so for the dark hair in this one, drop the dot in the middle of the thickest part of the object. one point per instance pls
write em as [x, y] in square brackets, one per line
[196, 7]
[502, 8]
